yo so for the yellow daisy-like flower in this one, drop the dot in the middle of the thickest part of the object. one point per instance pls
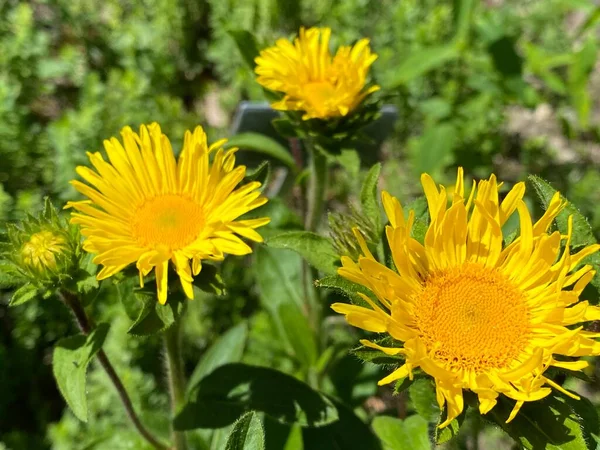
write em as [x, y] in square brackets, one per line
[146, 207]
[40, 251]
[472, 312]
[312, 80]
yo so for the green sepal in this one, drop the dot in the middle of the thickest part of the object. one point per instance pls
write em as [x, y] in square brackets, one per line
[262, 174]
[347, 288]
[368, 354]
[153, 317]
[24, 294]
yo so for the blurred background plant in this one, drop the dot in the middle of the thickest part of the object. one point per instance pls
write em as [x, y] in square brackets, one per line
[504, 86]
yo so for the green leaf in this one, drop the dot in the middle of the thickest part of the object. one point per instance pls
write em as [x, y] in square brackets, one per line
[346, 287]
[317, 250]
[261, 174]
[350, 161]
[373, 356]
[228, 348]
[209, 280]
[262, 144]
[22, 295]
[449, 432]
[71, 357]
[463, 13]
[578, 77]
[299, 334]
[369, 198]
[154, 317]
[422, 396]
[284, 127]
[396, 434]
[246, 44]
[247, 434]
[582, 231]
[349, 432]
[422, 61]
[232, 389]
[556, 422]
[434, 148]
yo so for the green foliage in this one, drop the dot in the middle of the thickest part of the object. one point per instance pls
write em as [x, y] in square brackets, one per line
[247, 434]
[316, 249]
[230, 390]
[408, 434]
[263, 144]
[70, 360]
[557, 422]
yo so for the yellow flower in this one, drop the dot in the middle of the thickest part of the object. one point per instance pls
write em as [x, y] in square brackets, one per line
[39, 252]
[470, 311]
[312, 81]
[146, 207]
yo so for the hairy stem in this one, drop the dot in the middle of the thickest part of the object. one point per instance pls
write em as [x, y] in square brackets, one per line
[85, 325]
[176, 377]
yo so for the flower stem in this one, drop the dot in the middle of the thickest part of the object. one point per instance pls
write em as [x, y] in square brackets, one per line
[175, 376]
[317, 187]
[72, 301]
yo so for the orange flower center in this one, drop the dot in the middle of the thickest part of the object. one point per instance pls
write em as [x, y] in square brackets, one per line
[167, 220]
[472, 318]
[318, 94]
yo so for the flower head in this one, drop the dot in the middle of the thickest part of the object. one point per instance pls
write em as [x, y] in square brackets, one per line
[40, 251]
[311, 79]
[148, 208]
[471, 311]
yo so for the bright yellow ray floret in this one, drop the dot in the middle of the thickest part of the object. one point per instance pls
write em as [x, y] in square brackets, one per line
[146, 207]
[312, 80]
[468, 310]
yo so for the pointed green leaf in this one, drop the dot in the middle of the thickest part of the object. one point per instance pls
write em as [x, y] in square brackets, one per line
[228, 348]
[434, 148]
[262, 144]
[299, 334]
[70, 360]
[22, 295]
[261, 174]
[154, 317]
[246, 44]
[408, 434]
[317, 250]
[554, 423]
[369, 197]
[346, 287]
[420, 62]
[232, 389]
[422, 396]
[582, 231]
[247, 433]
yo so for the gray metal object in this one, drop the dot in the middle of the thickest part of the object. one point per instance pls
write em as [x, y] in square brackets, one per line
[257, 117]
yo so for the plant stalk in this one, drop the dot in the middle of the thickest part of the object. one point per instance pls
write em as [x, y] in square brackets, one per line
[317, 187]
[72, 301]
[176, 378]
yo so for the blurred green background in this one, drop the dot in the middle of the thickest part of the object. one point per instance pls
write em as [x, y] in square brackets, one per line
[517, 95]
